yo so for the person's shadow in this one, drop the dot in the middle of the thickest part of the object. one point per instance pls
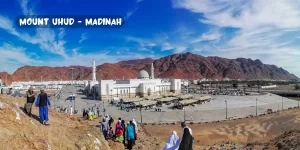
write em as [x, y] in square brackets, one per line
[32, 115]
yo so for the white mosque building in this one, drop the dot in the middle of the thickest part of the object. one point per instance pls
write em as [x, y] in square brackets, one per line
[143, 86]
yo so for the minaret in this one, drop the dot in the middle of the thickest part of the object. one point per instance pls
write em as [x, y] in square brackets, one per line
[94, 70]
[152, 71]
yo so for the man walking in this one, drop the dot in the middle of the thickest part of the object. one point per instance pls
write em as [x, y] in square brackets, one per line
[130, 135]
[42, 102]
[104, 128]
[30, 100]
[98, 112]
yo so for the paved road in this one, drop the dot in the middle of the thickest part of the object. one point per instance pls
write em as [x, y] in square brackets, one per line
[80, 102]
[238, 107]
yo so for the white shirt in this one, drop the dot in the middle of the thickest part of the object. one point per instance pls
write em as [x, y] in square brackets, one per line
[71, 110]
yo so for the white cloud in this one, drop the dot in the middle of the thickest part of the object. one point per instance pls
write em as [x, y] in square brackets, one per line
[46, 38]
[129, 13]
[244, 13]
[266, 29]
[141, 42]
[197, 50]
[14, 57]
[167, 46]
[180, 49]
[100, 58]
[83, 38]
[209, 36]
[25, 9]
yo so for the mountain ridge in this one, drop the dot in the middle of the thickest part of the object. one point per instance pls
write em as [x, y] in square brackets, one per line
[184, 66]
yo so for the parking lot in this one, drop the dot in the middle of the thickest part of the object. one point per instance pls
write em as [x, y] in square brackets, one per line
[237, 107]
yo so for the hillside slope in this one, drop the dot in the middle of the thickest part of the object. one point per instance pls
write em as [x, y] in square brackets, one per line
[27, 133]
[195, 66]
[184, 66]
[45, 73]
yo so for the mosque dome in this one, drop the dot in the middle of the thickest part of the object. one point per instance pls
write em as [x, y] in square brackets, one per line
[143, 75]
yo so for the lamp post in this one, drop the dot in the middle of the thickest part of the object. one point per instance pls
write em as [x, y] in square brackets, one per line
[282, 103]
[141, 112]
[183, 114]
[103, 108]
[256, 106]
[111, 94]
[73, 98]
[72, 76]
[226, 109]
[298, 101]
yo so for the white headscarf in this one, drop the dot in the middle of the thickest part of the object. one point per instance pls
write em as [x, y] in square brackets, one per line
[134, 122]
[173, 142]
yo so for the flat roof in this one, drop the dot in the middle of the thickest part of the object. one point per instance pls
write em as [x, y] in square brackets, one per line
[145, 102]
[203, 98]
[171, 94]
[126, 100]
[185, 96]
[153, 97]
[189, 101]
[167, 99]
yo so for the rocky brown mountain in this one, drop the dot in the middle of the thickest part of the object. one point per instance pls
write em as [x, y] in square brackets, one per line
[184, 66]
[45, 73]
[193, 66]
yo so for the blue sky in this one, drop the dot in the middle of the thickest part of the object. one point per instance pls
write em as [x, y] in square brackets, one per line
[268, 30]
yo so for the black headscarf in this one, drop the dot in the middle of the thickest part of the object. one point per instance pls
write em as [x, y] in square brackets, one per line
[186, 141]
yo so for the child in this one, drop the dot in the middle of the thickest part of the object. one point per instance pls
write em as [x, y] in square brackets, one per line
[110, 134]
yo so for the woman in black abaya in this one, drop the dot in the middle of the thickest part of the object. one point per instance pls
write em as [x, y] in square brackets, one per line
[186, 141]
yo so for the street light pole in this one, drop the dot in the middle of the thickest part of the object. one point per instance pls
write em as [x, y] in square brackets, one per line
[72, 76]
[141, 112]
[256, 107]
[183, 114]
[298, 101]
[73, 97]
[226, 109]
[103, 108]
[282, 103]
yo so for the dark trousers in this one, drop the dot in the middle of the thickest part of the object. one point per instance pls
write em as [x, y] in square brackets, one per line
[104, 133]
[130, 144]
[124, 139]
[28, 107]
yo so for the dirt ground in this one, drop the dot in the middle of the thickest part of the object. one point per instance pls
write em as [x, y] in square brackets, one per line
[240, 132]
[64, 132]
[228, 134]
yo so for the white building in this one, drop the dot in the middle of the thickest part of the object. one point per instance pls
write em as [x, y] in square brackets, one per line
[143, 86]
[44, 84]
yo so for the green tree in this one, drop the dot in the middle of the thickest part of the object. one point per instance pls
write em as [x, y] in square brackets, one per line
[297, 86]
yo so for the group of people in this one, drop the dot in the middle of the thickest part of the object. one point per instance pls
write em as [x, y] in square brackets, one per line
[90, 114]
[122, 132]
[185, 143]
[42, 101]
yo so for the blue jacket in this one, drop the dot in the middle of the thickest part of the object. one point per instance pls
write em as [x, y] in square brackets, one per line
[130, 132]
[37, 103]
[104, 126]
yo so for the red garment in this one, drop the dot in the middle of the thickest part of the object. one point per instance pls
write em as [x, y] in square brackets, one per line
[120, 131]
